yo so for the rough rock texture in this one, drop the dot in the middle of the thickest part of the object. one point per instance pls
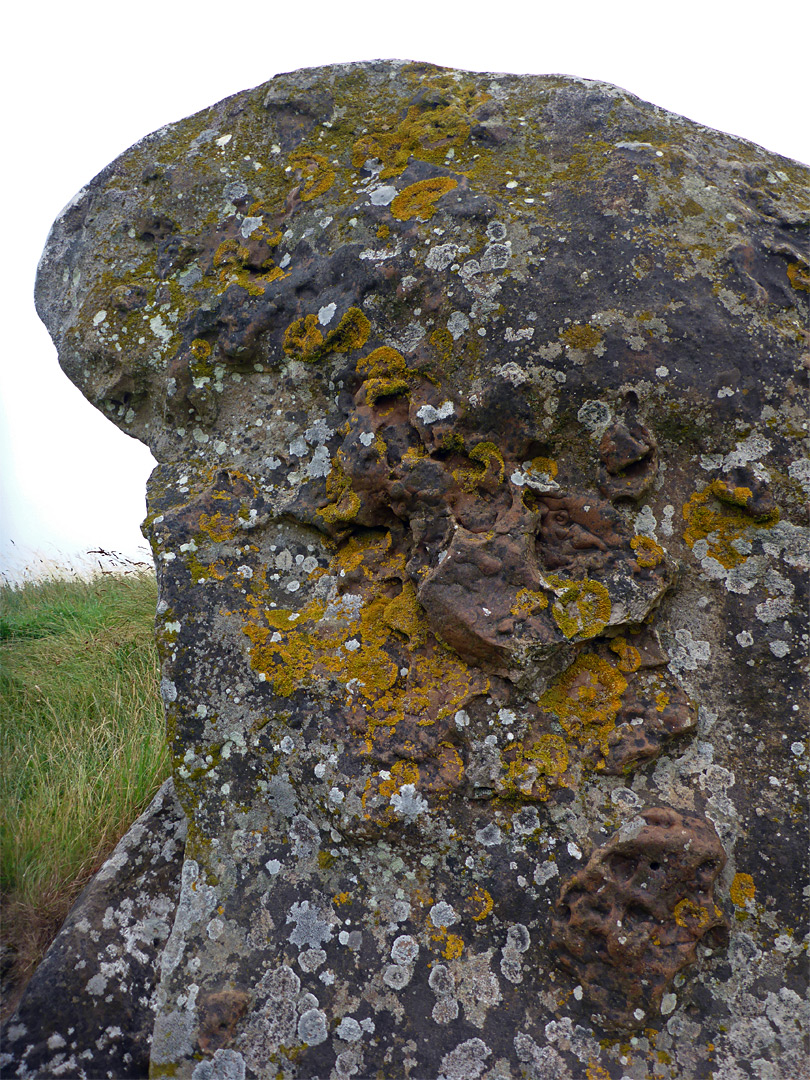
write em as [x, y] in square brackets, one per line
[480, 527]
[89, 1010]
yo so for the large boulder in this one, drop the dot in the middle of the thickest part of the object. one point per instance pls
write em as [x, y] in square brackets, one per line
[89, 1010]
[480, 525]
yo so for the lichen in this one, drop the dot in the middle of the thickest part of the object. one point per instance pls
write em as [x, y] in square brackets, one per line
[648, 553]
[742, 890]
[582, 608]
[419, 199]
[303, 339]
[316, 169]
[720, 515]
[586, 699]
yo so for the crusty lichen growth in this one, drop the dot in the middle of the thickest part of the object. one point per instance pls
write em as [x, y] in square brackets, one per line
[721, 515]
[304, 340]
[582, 608]
[586, 699]
[648, 552]
[419, 200]
[314, 168]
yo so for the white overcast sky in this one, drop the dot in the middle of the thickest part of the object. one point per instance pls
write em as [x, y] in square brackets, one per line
[84, 80]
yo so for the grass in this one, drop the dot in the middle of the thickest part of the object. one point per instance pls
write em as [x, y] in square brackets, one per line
[82, 748]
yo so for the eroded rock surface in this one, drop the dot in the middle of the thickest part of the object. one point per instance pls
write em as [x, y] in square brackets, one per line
[89, 1010]
[632, 918]
[479, 402]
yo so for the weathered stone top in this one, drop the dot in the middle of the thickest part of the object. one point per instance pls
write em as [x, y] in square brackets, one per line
[480, 523]
[652, 242]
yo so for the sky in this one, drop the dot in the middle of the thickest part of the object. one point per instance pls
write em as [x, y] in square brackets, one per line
[85, 80]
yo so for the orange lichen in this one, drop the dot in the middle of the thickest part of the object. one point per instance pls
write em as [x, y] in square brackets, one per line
[419, 199]
[317, 171]
[720, 515]
[648, 553]
[742, 890]
[582, 608]
[586, 699]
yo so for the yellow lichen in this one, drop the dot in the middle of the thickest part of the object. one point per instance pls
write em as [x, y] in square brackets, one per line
[200, 349]
[344, 503]
[440, 123]
[528, 603]
[648, 553]
[543, 466]
[419, 199]
[742, 890]
[442, 341]
[579, 336]
[586, 699]
[488, 468]
[692, 916]
[363, 652]
[304, 340]
[218, 527]
[407, 616]
[230, 251]
[582, 608]
[798, 276]
[721, 515]
[315, 167]
[596, 1072]
[629, 656]
[352, 332]
[531, 767]
[484, 898]
[454, 947]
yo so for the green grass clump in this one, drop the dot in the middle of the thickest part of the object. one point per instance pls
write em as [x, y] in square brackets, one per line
[82, 748]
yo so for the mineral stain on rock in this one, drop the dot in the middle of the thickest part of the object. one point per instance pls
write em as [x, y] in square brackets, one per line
[479, 521]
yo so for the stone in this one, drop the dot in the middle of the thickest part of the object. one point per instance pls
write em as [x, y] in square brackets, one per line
[631, 919]
[480, 526]
[89, 1009]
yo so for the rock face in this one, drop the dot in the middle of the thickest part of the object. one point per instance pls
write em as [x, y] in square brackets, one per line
[480, 529]
[89, 1010]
